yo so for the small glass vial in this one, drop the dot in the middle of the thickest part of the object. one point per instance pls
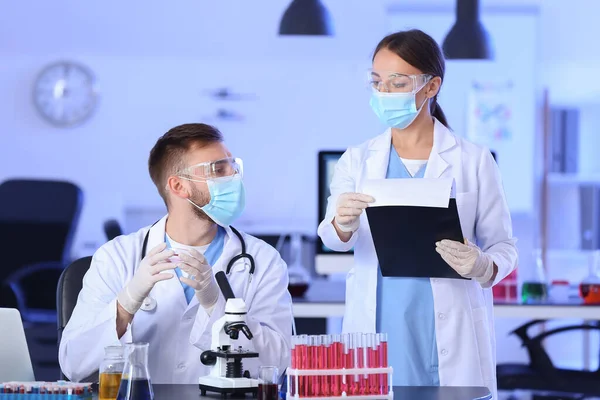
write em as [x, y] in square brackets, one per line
[111, 370]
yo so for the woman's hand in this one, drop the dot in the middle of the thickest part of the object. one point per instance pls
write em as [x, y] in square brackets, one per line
[467, 259]
[349, 208]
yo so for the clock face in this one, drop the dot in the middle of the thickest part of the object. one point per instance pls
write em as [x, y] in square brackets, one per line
[64, 94]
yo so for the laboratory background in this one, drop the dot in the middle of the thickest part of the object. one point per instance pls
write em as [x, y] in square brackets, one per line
[289, 102]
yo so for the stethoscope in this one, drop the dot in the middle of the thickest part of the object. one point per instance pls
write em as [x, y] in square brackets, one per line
[149, 303]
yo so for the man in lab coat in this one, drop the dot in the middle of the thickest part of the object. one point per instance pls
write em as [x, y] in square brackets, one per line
[167, 296]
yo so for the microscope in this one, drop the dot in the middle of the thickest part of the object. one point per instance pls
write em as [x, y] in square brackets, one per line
[227, 375]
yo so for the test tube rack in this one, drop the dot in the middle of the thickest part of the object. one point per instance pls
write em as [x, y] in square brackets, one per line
[301, 383]
[351, 365]
[60, 390]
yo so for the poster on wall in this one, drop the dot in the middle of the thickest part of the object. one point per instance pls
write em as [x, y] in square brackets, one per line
[490, 113]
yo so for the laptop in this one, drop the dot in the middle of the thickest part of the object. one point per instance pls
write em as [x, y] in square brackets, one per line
[15, 363]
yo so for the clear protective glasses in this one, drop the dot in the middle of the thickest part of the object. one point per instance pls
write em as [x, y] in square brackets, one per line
[223, 168]
[394, 82]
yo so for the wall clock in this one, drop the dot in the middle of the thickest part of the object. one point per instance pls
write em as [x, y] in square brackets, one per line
[64, 93]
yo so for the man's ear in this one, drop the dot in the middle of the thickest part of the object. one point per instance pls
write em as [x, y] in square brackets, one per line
[178, 188]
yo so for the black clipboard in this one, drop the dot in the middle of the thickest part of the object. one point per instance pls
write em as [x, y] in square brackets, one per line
[405, 237]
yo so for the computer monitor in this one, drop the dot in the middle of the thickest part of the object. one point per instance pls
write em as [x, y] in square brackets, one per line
[329, 261]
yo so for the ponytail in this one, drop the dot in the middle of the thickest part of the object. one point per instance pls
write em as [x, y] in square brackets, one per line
[437, 112]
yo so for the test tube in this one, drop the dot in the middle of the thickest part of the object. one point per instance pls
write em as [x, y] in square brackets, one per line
[354, 383]
[293, 366]
[383, 361]
[348, 364]
[303, 363]
[336, 361]
[324, 364]
[363, 363]
[315, 342]
[372, 363]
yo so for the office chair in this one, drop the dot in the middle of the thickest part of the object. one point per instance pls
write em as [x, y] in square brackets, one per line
[67, 291]
[540, 373]
[37, 224]
[112, 229]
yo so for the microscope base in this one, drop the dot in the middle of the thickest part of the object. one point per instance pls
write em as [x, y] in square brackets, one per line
[225, 386]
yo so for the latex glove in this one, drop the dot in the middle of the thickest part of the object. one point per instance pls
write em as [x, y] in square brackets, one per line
[146, 276]
[201, 277]
[348, 209]
[467, 259]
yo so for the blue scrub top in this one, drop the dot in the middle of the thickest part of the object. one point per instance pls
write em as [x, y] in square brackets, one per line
[405, 312]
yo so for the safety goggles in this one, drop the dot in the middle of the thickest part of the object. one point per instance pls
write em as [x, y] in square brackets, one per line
[219, 169]
[394, 82]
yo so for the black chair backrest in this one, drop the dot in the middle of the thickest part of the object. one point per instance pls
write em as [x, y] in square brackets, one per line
[37, 222]
[112, 229]
[67, 291]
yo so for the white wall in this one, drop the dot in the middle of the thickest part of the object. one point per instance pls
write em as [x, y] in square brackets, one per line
[154, 62]
[153, 67]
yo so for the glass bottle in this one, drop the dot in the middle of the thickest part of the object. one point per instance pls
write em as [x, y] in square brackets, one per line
[534, 288]
[135, 382]
[111, 370]
[299, 278]
[589, 288]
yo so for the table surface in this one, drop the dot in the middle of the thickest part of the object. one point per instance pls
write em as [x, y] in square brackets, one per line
[185, 392]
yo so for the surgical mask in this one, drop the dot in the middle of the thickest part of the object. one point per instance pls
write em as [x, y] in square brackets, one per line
[227, 199]
[396, 110]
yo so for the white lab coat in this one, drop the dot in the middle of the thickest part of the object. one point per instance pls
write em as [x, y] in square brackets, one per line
[464, 320]
[177, 332]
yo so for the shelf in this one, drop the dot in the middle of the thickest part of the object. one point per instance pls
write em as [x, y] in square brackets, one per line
[568, 253]
[573, 179]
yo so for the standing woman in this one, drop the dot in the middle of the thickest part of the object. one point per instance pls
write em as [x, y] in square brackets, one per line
[440, 331]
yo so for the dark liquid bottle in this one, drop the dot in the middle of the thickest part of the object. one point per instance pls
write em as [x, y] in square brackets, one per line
[267, 391]
[136, 389]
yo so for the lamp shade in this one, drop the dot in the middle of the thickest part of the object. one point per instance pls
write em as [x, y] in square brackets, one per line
[468, 38]
[306, 17]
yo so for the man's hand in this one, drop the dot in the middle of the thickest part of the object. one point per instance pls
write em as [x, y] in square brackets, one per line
[146, 276]
[202, 278]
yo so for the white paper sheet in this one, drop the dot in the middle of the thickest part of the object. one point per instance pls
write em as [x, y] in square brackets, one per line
[424, 192]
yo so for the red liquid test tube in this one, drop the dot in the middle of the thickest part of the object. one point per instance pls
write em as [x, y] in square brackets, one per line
[377, 364]
[314, 364]
[336, 360]
[348, 364]
[383, 362]
[293, 365]
[324, 364]
[355, 382]
[362, 363]
[303, 363]
[372, 362]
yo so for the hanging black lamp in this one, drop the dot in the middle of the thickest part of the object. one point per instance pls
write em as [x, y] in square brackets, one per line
[468, 39]
[306, 17]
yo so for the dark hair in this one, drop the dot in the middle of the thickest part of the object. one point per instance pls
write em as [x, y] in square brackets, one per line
[167, 155]
[422, 52]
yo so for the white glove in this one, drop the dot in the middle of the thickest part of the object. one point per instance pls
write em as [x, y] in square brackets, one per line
[468, 260]
[348, 209]
[201, 277]
[145, 277]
